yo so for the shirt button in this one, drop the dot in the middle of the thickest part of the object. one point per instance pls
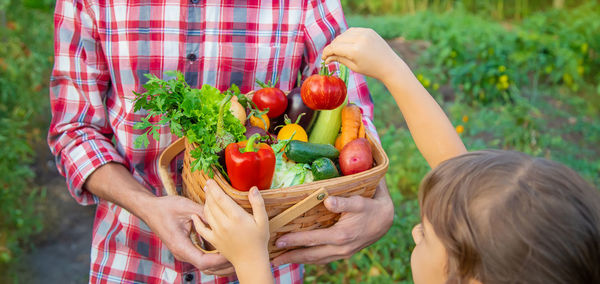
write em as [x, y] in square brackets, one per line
[189, 277]
[194, 1]
[191, 57]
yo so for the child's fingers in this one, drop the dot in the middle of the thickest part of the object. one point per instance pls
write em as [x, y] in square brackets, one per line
[225, 208]
[343, 60]
[220, 201]
[341, 49]
[212, 217]
[258, 206]
[202, 229]
[218, 219]
[222, 213]
[349, 35]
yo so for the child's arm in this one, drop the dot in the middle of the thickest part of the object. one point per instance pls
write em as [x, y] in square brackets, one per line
[364, 51]
[239, 236]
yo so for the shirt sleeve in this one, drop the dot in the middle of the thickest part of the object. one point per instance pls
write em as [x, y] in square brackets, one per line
[323, 21]
[79, 136]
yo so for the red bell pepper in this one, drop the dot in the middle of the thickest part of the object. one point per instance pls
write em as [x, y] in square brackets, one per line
[247, 166]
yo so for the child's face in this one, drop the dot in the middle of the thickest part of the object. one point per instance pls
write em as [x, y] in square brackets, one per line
[428, 260]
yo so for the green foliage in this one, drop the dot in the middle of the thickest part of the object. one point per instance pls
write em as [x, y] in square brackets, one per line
[499, 9]
[197, 114]
[25, 63]
[567, 42]
[489, 61]
[16, 205]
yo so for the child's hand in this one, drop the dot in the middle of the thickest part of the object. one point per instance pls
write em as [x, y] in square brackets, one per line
[365, 52]
[239, 236]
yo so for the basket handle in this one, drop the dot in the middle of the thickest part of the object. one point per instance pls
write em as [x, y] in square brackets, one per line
[164, 162]
[298, 209]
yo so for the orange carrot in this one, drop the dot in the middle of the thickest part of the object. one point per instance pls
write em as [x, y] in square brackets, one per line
[338, 142]
[351, 122]
[361, 130]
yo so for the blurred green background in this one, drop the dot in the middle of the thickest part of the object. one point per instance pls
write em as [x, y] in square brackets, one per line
[519, 74]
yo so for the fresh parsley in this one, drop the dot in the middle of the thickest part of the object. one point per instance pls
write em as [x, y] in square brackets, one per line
[193, 113]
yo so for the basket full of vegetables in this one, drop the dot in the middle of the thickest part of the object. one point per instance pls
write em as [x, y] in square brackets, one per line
[297, 148]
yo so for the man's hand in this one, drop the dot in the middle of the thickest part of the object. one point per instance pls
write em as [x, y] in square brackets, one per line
[363, 222]
[169, 217]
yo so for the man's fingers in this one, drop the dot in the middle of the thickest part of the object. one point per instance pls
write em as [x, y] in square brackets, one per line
[221, 269]
[339, 204]
[258, 206]
[228, 271]
[205, 261]
[188, 206]
[312, 255]
[307, 238]
[184, 250]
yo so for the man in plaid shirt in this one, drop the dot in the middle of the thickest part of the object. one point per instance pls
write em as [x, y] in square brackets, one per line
[102, 50]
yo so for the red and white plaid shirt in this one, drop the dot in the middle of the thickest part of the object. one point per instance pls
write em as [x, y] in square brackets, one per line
[102, 50]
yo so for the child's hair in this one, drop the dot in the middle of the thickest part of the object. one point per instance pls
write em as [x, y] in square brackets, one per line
[505, 217]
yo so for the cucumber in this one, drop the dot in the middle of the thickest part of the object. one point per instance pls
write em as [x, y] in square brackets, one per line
[304, 152]
[327, 126]
[324, 168]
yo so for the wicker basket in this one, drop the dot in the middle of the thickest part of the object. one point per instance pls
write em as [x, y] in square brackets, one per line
[291, 209]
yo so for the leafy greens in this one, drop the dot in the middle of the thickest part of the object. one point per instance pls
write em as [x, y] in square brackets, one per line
[193, 113]
[288, 173]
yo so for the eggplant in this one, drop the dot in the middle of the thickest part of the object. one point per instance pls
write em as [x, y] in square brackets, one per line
[265, 137]
[277, 121]
[221, 160]
[295, 108]
[251, 130]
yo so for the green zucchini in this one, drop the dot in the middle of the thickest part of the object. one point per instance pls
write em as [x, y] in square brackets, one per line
[304, 152]
[327, 126]
[324, 168]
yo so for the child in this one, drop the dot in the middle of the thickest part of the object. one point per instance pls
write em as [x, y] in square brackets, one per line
[487, 216]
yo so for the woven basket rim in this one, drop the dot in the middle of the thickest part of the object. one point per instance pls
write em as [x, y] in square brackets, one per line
[307, 188]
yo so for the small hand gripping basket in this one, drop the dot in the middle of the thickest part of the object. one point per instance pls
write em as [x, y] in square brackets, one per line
[290, 209]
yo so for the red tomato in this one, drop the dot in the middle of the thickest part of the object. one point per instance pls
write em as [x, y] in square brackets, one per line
[272, 98]
[323, 92]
